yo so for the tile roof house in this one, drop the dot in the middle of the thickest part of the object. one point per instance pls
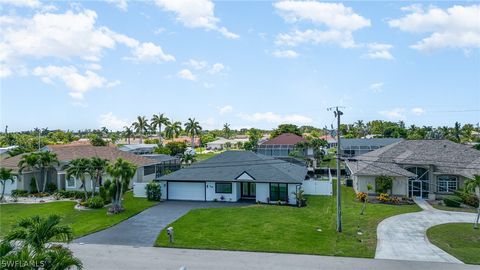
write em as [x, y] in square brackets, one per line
[146, 167]
[332, 142]
[420, 168]
[280, 146]
[235, 175]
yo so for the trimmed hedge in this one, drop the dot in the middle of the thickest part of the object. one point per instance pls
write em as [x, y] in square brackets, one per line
[19, 193]
[452, 201]
[95, 202]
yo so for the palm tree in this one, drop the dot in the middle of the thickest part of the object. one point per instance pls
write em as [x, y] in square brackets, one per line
[78, 168]
[29, 162]
[192, 128]
[457, 131]
[122, 172]
[141, 126]
[173, 130]
[473, 185]
[5, 176]
[46, 161]
[158, 121]
[226, 130]
[361, 128]
[188, 159]
[97, 169]
[30, 241]
[128, 133]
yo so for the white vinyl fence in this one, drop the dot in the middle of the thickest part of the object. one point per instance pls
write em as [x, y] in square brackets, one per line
[318, 187]
[139, 190]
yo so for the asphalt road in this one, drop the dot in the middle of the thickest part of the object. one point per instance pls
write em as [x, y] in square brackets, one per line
[116, 257]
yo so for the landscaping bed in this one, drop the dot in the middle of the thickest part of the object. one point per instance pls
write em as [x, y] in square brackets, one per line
[271, 228]
[458, 239]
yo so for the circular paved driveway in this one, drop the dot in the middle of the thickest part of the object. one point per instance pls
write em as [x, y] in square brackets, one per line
[403, 237]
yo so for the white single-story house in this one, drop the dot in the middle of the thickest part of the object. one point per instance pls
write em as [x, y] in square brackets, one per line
[147, 168]
[238, 175]
[138, 149]
[221, 143]
[420, 168]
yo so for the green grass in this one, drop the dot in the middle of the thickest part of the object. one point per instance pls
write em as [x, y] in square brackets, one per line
[82, 222]
[458, 239]
[456, 209]
[272, 228]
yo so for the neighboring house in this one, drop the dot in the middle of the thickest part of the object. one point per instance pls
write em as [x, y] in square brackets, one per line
[165, 164]
[220, 143]
[332, 142]
[185, 139]
[282, 145]
[420, 168]
[355, 147]
[4, 151]
[146, 167]
[234, 175]
[138, 149]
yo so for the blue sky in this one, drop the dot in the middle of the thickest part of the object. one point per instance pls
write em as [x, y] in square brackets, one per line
[251, 64]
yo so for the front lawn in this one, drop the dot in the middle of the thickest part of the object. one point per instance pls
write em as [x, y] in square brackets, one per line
[270, 228]
[458, 239]
[82, 222]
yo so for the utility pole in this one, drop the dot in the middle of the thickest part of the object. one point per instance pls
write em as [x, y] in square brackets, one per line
[338, 114]
[6, 129]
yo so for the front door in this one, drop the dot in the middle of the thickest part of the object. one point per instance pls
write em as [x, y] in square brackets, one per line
[248, 190]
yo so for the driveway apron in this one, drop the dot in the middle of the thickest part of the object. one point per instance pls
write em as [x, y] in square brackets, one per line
[403, 237]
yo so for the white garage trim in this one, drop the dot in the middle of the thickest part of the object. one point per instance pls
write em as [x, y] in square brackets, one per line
[188, 191]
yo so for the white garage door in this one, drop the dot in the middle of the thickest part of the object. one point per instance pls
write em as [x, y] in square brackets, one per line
[190, 191]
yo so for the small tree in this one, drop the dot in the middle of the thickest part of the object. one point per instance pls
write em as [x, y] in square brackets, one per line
[383, 183]
[154, 192]
[473, 186]
[122, 172]
[369, 188]
[6, 175]
[78, 168]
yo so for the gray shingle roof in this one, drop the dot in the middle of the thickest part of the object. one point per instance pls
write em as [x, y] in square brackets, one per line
[229, 165]
[373, 142]
[446, 157]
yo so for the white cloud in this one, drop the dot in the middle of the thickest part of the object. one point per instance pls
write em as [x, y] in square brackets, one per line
[376, 87]
[187, 75]
[196, 64]
[196, 14]
[379, 51]
[204, 65]
[276, 118]
[149, 52]
[22, 3]
[394, 114]
[340, 22]
[121, 4]
[77, 83]
[93, 66]
[65, 36]
[216, 68]
[225, 109]
[285, 54]
[418, 111]
[112, 122]
[454, 27]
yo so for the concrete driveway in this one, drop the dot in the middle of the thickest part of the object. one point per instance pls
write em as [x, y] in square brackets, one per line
[108, 257]
[403, 237]
[143, 229]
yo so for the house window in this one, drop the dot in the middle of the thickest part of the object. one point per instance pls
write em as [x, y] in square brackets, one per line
[71, 182]
[447, 183]
[223, 188]
[278, 192]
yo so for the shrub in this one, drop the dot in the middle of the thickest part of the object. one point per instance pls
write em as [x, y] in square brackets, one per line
[154, 191]
[19, 193]
[467, 198]
[452, 201]
[51, 187]
[395, 200]
[361, 196]
[95, 202]
[384, 197]
[383, 183]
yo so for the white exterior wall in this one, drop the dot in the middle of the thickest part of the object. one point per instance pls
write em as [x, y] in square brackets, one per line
[292, 188]
[400, 184]
[317, 187]
[139, 190]
[163, 186]
[262, 192]
[232, 197]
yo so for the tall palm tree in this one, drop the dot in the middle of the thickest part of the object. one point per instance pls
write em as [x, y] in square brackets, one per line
[78, 168]
[6, 175]
[122, 172]
[29, 162]
[226, 130]
[360, 128]
[46, 161]
[158, 121]
[473, 185]
[173, 130]
[141, 126]
[192, 128]
[128, 133]
[97, 169]
[457, 131]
